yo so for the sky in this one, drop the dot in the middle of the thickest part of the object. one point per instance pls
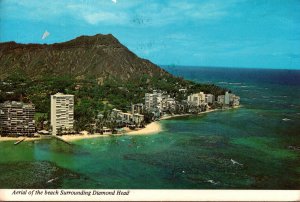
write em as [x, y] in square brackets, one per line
[225, 33]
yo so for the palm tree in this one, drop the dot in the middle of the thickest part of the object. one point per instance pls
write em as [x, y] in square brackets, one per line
[59, 131]
[98, 125]
[40, 122]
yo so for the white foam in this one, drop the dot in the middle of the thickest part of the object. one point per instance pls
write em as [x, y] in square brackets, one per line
[235, 162]
[212, 182]
[49, 181]
[235, 83]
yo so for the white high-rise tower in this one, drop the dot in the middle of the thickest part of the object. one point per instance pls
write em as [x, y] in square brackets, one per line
[62, 112]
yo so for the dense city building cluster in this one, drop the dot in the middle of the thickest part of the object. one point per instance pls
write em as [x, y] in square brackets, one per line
[17, 118]
[159, 103]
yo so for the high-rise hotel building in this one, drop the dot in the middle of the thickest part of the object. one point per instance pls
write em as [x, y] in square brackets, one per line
[153, 100]
[17, 118]
[62, 113]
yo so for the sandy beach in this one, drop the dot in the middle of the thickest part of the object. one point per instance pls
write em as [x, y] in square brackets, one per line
[151, 128]
[64, 137]
[208, 111]
[2, 139]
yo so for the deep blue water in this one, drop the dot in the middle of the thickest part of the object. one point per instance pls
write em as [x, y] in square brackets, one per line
[245, 75]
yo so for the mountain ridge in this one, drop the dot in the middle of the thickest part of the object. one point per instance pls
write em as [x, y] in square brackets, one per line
[100, 56]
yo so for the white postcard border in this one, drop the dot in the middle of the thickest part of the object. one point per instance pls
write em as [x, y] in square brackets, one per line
[147, 195]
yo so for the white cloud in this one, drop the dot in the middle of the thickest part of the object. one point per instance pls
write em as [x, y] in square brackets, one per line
[105, 17]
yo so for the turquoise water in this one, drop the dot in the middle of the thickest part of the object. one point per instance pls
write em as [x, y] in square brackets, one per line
[195, 152]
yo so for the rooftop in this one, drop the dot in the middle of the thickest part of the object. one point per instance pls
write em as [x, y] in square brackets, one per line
[62, 95]
[17, 104]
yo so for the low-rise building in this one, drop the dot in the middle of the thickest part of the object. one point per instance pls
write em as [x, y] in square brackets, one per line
[170, 104]
[235, 100]
[138, 119]
[116, 114]
[183, 90]
[17, 118]
[182, 106]
[106, 131]
[221, 99]
[127, 118]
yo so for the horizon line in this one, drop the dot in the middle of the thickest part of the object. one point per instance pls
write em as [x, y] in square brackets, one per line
[224, 67]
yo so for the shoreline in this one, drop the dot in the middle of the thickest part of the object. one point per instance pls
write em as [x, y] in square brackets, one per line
[183, 115]
[151, 128]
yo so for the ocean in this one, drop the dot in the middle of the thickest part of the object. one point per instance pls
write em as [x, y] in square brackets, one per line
[256, 146]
